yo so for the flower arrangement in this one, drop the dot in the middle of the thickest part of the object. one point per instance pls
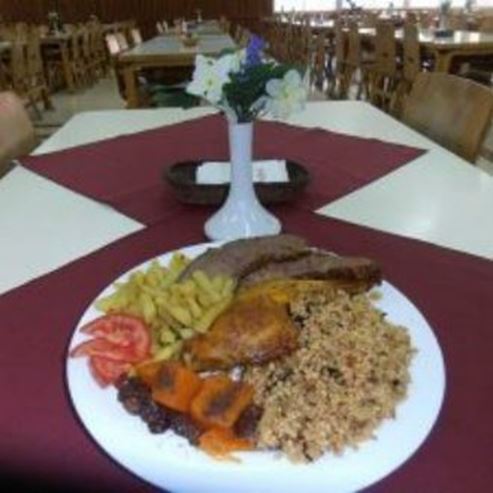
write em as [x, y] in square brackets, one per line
[244, 84]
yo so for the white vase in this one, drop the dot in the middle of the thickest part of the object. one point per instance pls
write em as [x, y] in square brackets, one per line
[242, 215]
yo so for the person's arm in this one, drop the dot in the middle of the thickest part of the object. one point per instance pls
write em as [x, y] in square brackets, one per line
[16, 130]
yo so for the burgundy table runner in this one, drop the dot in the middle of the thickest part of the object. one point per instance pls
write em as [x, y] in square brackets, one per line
[42, 438]
[127, 172]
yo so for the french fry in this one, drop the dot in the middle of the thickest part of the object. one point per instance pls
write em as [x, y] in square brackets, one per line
[206, 285]
[167, 336]
[168, 351]
[147, 306]
[174, 311]
[195, 309]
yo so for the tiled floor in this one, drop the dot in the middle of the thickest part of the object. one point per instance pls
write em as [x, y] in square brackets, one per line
[104, 96]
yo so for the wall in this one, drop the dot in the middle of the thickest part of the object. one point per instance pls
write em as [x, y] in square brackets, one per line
[145, 12]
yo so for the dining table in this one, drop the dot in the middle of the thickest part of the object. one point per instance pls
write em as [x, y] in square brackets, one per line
[444, 50]
[91, 202]
[166, 51]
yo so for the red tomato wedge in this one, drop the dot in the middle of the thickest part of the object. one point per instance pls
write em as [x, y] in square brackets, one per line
[107, 371]
[123, 331]
[102, 347]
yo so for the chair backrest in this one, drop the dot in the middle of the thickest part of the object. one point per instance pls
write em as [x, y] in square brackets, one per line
[165, 26]
[112, 44]
[16, 130]
[340, 44]
[86, 41]
[238, 33]
[159, 28]
[225, 24]
[34, 60]
[353, 55]
[18, 65]
[245, 37]
[136, 36]
[385, 48]
[451, 110]
[457, 22]
[486, 25]
[411, 52]
[76, 44]
[122, 41]
[320, 59]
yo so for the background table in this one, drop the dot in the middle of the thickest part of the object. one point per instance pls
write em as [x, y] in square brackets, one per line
[166, 51]
[437, 198]
[462, 44]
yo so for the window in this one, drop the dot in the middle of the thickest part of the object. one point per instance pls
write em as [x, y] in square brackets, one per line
[307, 5]
[304, 5]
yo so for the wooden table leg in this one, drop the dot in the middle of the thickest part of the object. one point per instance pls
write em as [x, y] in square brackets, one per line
[131, 87]
[443, 61]
[69, 76]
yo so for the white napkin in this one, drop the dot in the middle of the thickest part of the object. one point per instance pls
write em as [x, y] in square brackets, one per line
[213, 173]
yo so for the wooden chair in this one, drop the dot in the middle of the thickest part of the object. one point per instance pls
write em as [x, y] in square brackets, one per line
[457, 22]
[486, 25]
[89, 62]
[77, 63]
[452, 111]
[354, 64]
[318, 75]
[244, 38]
[481, 68]
[122, 41]
[36, 87]
[136, 36]
[98, 49]
[335, 87]
[159, 28]
[224, 24]
[16, 131]
[112, 45]
[381, 75]
[411, 66]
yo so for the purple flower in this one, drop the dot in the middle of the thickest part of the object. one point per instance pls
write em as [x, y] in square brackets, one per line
[254, 50]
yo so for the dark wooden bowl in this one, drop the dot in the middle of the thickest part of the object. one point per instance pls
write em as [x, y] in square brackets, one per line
[181, 177]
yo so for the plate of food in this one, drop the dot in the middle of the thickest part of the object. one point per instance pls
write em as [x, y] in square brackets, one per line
[256, 366]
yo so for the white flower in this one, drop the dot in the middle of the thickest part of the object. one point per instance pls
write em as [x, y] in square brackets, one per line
[209, 77]
[286, 95]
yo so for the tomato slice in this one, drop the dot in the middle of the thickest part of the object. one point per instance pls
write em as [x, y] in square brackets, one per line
[107, 371]
[122, 330]
[106, 349]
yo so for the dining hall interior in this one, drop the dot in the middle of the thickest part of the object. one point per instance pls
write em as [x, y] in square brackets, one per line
[258, 231]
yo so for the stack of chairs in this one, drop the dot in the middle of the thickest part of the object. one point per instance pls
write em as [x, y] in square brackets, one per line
[87, 57]
[22, 72]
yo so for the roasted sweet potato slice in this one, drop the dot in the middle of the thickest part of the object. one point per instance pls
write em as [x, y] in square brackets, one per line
[220, 442]
[220, 402]
[175, 386]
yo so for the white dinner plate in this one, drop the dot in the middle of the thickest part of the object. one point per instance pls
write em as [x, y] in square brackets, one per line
[169, 462]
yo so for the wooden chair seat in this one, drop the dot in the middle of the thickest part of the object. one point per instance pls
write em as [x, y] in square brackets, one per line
[453, 111]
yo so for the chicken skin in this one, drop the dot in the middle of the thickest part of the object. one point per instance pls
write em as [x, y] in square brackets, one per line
[253, 330]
